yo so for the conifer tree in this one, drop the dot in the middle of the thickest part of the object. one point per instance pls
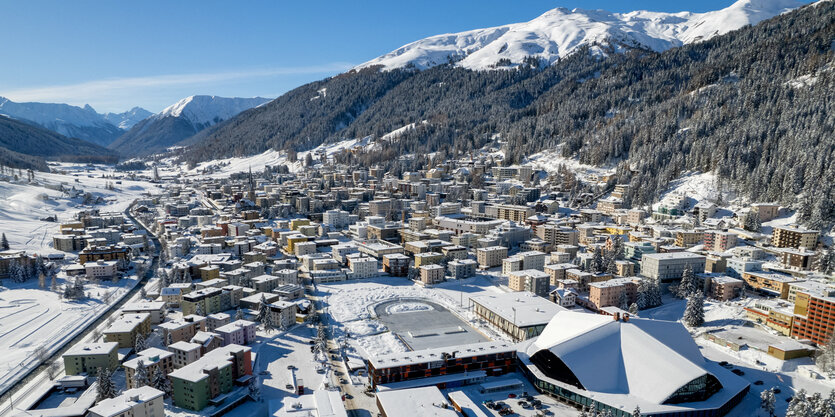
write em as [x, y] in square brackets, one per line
[160, 381]
[694, 312]
[140, 376]
[4, 243]
[688, 283]
[105, 387]
[768, 401]
[140, 344]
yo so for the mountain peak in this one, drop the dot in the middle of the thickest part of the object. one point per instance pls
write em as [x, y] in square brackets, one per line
[559, 32]
[206, 110]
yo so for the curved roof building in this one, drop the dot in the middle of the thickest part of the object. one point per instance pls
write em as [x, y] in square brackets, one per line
[594, 361]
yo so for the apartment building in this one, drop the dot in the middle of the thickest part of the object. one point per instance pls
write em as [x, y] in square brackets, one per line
[155, 308]
[137, 402]
[238, 332]
[362, 266]
[794, 237]
[769, 282]
[557, 235]
[183, 329]
[719, 241]
[688, 238]
[151, 359]
[463, 268]
[283, 313]
[396, 264]
[125, 329]
[668, 267]
[195, 384]
[610, 293]
[431, 274]
[531, 280]
[86, 358]
[514, 213]
[491, 256]
[184, 353]
[101, 269]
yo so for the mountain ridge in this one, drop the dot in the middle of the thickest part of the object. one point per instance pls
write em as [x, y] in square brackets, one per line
[180, 121]
[559, 32]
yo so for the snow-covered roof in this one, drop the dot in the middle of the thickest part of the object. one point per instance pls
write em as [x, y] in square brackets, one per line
[649, 359]
[415, 402]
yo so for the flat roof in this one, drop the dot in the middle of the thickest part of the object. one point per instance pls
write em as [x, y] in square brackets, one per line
[673, 255]
[436, 354]
[415, 402]
[530, 309]
[91, 349]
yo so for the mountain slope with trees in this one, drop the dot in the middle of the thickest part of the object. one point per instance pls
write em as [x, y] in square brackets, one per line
[754, 105]
[24, 145]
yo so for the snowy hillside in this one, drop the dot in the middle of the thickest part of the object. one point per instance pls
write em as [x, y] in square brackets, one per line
[205, 111]
[126, 120]
[560, 31]
[71, 121]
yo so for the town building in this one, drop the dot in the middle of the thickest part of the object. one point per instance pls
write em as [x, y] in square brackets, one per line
[213, 375]
[520, 315]
[86, 358]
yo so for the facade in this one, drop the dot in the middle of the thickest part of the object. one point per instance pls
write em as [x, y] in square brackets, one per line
[151, 359]
[495, 358]
[770, 283]
[184, 329]
[520, 315]
[491, 256]
[531, 280]
[461, 269]
[613, 292]
[653, 365]
[431, 274]
[396, 265]
[88, 357]
[101, 269]
[718, 241]
[794, 237]
[668, 267]
[138, 402]
[184, 353]
[195, 384]
[125, 329]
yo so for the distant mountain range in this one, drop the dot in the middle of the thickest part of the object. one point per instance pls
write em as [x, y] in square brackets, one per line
[180, 121]
[26, 145]
[559, 32]
[72, 121]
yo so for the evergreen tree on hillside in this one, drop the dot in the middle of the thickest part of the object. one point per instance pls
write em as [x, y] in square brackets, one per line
[4, 243]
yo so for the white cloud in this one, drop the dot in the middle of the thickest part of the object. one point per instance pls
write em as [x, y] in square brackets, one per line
[122, 91]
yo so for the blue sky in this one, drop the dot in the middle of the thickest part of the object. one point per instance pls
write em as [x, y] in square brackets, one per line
[115, 55]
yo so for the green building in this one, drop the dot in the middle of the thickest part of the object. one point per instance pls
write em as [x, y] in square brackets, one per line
[198, 383]
[88, 357]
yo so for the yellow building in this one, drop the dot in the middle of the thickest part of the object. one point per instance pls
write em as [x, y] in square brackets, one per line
[296, 223]
[428, 258]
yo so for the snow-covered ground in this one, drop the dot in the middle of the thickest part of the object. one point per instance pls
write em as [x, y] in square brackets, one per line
[550, 161]
[351, 306]
[35, 322]
[22, 205]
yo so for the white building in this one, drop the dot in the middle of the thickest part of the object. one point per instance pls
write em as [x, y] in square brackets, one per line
[362, 266]
[101, 269]
[136, 402]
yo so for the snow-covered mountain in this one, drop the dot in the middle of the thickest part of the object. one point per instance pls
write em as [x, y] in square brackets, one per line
[208, 110]
[560, 31]
[71, 121]
[126, 120]
[180, 121]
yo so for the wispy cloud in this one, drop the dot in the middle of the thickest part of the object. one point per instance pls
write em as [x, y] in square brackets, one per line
[113, 90]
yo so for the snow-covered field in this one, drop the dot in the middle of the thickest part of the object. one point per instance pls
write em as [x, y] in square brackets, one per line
[22, 205]
[351, 306]
[550, 161]
[34, 322]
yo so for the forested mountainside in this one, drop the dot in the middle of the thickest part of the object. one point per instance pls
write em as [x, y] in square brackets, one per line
[24, 145]
[179, 121]
[755, 105]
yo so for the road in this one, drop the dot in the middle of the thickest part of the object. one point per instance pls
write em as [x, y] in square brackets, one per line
[27, 390]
